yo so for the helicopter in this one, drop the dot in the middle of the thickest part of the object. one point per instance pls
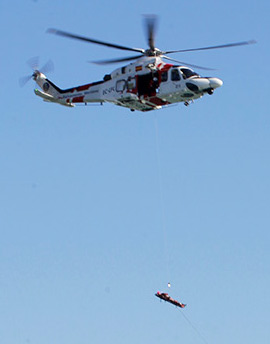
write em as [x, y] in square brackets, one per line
[167, 298]
[149, 83]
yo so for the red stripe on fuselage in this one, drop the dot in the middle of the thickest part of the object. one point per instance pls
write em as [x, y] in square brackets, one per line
[78, 99]
[83, 87]
[74, 89]
[166, 67]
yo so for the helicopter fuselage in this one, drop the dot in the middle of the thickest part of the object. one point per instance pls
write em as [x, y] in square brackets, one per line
[147, 84]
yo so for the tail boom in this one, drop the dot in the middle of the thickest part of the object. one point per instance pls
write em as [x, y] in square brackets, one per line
[89, 93]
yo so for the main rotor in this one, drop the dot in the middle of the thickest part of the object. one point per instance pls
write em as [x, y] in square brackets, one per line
[150, 22]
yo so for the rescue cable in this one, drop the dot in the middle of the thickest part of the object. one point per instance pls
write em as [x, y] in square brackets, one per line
[161, 196]
[161, 199]
[194, 327]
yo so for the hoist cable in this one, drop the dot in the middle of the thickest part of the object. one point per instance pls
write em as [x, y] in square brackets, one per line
[161, 197]
[194, 327]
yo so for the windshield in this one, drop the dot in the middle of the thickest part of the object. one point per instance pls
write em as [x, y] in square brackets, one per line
[188, 73]
[175, 75]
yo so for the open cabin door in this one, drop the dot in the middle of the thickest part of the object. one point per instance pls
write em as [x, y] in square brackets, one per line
[147, 84]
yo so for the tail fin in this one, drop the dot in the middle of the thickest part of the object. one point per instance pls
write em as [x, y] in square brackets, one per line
[45, 84]
[50, 92]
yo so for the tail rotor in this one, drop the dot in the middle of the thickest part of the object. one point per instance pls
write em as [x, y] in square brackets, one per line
[33, 63]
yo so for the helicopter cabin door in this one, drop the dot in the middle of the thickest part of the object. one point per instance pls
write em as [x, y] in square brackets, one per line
[147, 84]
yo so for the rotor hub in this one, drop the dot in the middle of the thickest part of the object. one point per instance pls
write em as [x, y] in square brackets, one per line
[35, 75]
[153, 52]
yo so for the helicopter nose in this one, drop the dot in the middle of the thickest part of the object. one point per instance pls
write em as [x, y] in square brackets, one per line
[198, 84]
[215, 82]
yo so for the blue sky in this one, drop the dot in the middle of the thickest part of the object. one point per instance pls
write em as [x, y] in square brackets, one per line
[101, 207]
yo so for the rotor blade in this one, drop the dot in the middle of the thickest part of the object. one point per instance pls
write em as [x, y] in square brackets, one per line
[24, 80]
[229, 45]
[103, 62]
[33, 63]
[151, 24]
[86, 39]
[187, 64]
[48, 67]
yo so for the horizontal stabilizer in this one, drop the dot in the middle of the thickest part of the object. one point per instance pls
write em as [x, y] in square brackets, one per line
[48, 98]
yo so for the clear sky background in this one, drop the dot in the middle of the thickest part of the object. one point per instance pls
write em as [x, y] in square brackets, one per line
[101, 207]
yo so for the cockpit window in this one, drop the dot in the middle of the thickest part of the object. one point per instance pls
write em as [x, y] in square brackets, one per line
[188, 73]
[164, 76]
[175, 75]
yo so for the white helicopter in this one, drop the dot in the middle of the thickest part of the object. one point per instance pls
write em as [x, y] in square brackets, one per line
[147, 84]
